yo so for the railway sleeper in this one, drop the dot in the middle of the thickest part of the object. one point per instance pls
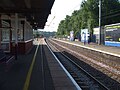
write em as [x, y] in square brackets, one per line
[98, 78]
[85, 87]
[81, 83]
[70, 71]
[78, 79]
[74, 75]
[86, 83]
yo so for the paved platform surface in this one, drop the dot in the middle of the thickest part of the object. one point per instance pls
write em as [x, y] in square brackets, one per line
[19, 74]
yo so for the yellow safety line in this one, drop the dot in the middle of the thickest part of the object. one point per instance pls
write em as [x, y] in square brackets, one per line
[26, 85]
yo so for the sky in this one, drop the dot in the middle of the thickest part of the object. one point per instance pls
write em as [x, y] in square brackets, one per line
[60, 9]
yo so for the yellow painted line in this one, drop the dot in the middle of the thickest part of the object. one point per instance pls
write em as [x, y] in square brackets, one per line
[27, 82]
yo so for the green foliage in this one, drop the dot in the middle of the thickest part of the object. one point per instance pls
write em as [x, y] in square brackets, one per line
[88, 16]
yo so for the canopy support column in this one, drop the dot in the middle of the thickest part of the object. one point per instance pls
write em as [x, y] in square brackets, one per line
[16, 35]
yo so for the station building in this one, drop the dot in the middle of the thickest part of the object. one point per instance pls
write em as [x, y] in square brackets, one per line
[8, 34]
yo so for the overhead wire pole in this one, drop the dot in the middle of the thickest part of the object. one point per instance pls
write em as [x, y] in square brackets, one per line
[51, 21]
[99, 42]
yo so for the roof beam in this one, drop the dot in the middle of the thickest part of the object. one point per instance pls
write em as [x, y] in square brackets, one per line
[23, 10]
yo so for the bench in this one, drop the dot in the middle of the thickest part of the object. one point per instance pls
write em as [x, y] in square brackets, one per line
[6, 60]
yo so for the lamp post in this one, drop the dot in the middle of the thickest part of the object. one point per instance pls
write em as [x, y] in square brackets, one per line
[99, 22]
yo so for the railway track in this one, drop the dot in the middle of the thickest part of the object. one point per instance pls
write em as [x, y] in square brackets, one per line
[83, 78]
[102, 62]
[86, 76]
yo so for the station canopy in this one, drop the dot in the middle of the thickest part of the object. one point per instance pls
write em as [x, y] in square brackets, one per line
[35, 11]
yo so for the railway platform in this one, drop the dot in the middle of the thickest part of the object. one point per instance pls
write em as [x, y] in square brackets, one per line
[37, 70]
[111, 50]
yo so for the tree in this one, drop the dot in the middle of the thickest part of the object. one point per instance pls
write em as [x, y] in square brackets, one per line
[88, 16]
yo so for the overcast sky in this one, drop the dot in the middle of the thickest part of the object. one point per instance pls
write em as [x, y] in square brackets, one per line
[60, 9]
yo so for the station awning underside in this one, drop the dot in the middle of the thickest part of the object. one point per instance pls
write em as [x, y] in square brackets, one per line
[35, 11]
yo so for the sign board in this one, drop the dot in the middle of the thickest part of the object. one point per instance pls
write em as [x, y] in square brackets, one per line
[71, 35]
[84, 35]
